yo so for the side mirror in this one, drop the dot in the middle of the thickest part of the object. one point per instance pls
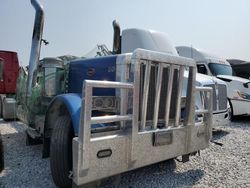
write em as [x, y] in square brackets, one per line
[246, 84]
[202, 69]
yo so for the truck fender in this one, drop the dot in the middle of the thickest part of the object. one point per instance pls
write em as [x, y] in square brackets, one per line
[61, 105]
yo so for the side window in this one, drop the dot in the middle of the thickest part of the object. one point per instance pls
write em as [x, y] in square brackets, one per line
[201, 68]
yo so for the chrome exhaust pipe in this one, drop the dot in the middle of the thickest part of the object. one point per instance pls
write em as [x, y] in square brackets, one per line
[117, 38]
[35, 46]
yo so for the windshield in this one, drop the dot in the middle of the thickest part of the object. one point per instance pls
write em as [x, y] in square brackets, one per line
[220, 69]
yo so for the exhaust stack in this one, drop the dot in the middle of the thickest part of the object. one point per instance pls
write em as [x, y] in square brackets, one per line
[117, 38]
[36, 45]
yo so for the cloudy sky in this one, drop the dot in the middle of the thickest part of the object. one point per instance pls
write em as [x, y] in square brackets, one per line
[75, 27]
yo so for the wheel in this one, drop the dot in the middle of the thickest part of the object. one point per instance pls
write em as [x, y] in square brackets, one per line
[61, 156]
[230, 111]
[61, 152]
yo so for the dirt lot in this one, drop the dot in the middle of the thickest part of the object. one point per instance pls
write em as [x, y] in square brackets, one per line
[226, 163]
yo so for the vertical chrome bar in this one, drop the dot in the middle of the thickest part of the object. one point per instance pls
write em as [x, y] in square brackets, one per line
[122, 74]
[85, 126]
[189, 120]
[178, 100]
[145, 95]
[169, 90]
[135, 127]
[208, 116]
[190, 102]
[157, 95]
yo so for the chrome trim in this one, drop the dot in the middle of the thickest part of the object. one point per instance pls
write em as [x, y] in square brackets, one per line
[179, 90]
[157, 95]
[145, 95]
[168, 99]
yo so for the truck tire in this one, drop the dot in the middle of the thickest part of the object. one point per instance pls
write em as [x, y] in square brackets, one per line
[61, 156]
[61, 151]
[230, 111]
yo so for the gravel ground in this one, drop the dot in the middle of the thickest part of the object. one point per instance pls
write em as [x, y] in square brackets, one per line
[226, 163]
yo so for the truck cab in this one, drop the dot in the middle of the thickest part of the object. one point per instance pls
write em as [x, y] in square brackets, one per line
[237, 88]
[240, 68]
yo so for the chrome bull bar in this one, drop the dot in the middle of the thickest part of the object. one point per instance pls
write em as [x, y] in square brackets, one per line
[129, 148]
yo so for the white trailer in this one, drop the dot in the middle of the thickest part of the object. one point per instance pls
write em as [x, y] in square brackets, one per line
[238, 91]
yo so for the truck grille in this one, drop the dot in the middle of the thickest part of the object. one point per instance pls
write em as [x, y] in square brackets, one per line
[222, 90]
[163, 94]
[214, 96]
[170, 78]
[222, 100]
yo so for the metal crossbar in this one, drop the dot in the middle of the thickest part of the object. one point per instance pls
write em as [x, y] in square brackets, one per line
[87, 120]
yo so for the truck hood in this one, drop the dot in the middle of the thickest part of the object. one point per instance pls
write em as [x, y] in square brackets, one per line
[209, 79]
[202, 79]
[232, 78]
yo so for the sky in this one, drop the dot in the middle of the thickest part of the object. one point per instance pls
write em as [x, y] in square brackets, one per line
[221, 27]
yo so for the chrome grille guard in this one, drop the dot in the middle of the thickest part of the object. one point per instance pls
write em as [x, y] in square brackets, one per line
[129, 148]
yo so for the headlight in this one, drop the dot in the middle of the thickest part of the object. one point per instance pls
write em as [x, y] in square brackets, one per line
[105, 103]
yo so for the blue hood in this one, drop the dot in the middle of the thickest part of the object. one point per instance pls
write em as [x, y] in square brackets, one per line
[101, 68]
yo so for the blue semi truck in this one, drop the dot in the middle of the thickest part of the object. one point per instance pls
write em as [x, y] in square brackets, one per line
[99, 117]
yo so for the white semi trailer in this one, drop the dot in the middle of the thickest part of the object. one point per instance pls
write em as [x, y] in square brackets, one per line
[238, 92]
